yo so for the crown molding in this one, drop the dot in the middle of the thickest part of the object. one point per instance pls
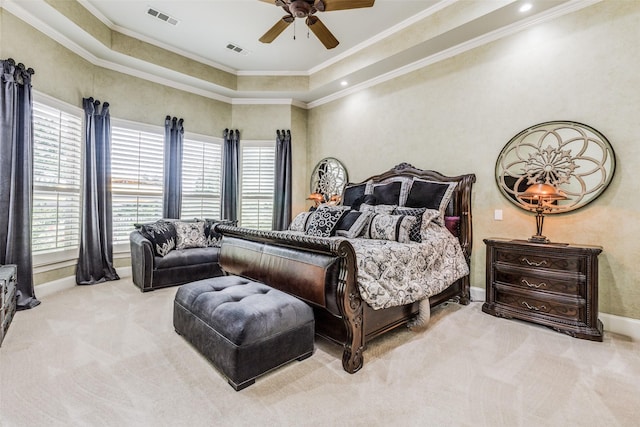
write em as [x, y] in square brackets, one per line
[267, 101]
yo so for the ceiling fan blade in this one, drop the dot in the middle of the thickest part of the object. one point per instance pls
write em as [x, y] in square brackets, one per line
[345, 4]
[322, 32]
[275, 31]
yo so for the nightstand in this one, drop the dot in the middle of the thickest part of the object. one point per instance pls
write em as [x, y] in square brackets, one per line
[554, 285]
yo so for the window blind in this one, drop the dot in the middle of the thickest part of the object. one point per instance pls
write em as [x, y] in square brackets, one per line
[201, 178]
[136, 171]
[257, 171]
[57, 164]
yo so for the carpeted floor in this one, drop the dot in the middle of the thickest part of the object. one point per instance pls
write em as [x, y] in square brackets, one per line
[107, 355]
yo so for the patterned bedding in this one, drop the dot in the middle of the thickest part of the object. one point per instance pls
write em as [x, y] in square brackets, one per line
[392, 273]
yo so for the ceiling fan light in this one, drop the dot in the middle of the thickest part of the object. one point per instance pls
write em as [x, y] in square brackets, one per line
[299, 8]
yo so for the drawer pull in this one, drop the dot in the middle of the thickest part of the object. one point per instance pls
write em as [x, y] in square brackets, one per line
[533, 263]
[533, 285]
[533, 307]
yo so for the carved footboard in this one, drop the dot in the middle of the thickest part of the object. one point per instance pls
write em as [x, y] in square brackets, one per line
[319, 271]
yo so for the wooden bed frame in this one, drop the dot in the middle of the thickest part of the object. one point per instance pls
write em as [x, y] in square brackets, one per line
[323, 272]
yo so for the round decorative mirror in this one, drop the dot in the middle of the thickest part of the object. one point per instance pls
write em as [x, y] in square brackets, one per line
[574, 158]
[329, 178]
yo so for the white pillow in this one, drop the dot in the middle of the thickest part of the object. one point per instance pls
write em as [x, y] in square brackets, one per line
[391, 227]
[299, 223]
[190, 234]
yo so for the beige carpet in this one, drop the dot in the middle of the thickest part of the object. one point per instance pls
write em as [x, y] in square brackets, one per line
[107, 355]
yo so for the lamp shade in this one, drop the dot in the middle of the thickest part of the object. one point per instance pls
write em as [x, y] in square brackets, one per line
[542, 192]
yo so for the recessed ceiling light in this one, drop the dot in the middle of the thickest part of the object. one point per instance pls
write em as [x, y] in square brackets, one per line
[344, 83]
[525, 7]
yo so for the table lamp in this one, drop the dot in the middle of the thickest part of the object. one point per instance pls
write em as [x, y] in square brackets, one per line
[540, 195]
[317, 198]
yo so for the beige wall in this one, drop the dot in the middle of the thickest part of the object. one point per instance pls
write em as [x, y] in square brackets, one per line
[261, 122]
[456, 116]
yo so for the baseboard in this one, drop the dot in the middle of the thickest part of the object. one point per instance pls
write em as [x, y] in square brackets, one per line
[612, 323]
[46, 289]
[621, 325]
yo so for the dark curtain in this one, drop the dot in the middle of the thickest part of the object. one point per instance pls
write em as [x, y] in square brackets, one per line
[173, 142]
[16, 176]
[230, 174]
[95, 260]
[282, 187]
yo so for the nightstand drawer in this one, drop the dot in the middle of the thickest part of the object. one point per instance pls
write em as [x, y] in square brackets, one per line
[541, 261]
[564, 284]
[536, 304]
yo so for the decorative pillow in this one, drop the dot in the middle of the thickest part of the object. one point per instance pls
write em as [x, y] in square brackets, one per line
[323, 221]
[378, 209]
[391, 227]
[430, 195]
[414, 233]
[453, 224]
[352, 223]
[387, 194]
[190, 235]
[405, 185]
[299, 222]
[429, 216]
[161, 234]
[212, 237]
[331, 205]
[352, 193]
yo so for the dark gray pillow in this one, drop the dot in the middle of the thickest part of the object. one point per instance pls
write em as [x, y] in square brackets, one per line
[161, 234]
[414, 233]
[353, 194]
[352, 223]
[387, 194]
[431, 195]
[214, 239]
[323, 221]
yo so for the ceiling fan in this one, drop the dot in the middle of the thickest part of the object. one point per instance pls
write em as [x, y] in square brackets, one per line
[307, 9]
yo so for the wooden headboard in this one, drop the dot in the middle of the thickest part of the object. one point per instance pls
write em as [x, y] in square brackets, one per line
[459, 206]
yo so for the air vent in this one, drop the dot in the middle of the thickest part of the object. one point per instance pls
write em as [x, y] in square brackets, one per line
[162, 16]
[237, 49]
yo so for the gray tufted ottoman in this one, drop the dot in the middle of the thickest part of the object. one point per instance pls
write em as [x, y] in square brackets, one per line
[244, 328]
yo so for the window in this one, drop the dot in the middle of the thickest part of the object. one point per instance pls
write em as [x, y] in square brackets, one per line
[257, 171]
[201, 178]
[57, 165]
[136, 176]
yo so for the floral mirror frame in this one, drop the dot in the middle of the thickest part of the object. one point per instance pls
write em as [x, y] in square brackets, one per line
[329, 178]
[573, 157]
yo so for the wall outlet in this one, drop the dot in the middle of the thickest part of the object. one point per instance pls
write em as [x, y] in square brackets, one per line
[497, 215]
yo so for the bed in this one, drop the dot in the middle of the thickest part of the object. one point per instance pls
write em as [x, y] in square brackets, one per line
[327, 272]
